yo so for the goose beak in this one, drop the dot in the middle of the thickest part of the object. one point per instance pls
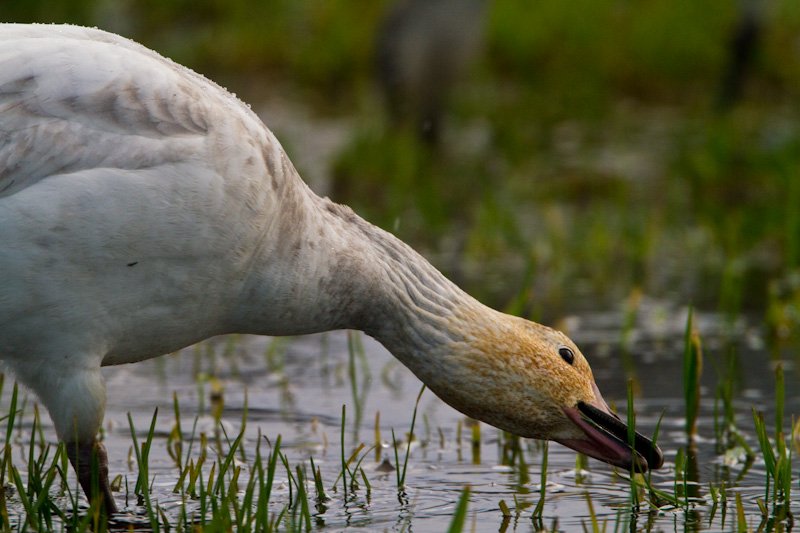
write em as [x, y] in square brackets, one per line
[606, 437]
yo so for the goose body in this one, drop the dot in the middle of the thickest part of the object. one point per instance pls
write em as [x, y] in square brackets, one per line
[144, 208]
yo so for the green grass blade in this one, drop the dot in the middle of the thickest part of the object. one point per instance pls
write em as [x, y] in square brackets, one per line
[228, 460]
[539, 510]
[692, 368]
[402, 481]
[460, 514]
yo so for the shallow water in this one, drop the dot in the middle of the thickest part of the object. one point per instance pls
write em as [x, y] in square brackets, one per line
[297, 387]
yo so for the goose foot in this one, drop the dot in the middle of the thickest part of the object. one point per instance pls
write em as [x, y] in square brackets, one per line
[81, 458]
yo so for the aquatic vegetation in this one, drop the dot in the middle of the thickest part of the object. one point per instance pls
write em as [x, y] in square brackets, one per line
[355, 351]
[401, 472]
[777, 455]
[692, 368]
[143, 488]
[220, 485]
[725, 430]
[539, 509]
[632, 303]
[460, 514]
[593, 518]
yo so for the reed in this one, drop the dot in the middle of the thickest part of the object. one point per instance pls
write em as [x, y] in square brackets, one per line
[592, 517]
[627, 335]
[692, 369]
[637, 481]
[142, 488]
[504, 508]
[318, 485]
[265, 489]
[506, 516]
[355, 350]
[343, 475]
[741, 520]
[226, 463]
[378, 443]
[718, 499]
[357, 468]
[175, 438]
[34, 494]
[539, 509]
[777, 456]
[631, 440]
[679, 484]
[476, 442]
[460, 514]
[7, 454]
[302, 498]
[401, 473]
[725, 430]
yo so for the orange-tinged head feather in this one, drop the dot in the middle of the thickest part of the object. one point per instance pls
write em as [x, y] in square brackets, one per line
[509, 373]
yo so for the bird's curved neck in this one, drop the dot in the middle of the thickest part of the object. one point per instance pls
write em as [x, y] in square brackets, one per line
[337, 271]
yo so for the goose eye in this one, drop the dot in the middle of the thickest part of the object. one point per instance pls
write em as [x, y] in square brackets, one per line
[567, 355]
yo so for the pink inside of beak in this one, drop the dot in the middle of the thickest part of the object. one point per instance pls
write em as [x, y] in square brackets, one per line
[598, 443]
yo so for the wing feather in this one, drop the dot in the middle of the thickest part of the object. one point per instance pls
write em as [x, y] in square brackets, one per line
[75, 98]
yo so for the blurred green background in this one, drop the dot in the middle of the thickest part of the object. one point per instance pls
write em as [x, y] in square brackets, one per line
[593, 150]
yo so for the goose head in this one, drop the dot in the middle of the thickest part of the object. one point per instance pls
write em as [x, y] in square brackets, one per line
[532, 381]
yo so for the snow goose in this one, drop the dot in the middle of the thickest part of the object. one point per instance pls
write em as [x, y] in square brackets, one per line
[144, 208]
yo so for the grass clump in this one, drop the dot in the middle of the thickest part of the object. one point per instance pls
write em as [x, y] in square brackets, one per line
[777, 455]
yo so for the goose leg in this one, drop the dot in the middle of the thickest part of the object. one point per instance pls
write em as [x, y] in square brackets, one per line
[74, 392]
[81, 457]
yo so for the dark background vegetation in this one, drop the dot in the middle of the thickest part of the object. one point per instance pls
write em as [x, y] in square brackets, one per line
[593, 151]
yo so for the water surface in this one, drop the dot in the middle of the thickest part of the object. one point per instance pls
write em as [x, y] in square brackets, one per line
[297, 387]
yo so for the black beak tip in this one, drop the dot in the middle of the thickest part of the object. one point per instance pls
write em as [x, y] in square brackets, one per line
[655, 459]
[643, 447]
